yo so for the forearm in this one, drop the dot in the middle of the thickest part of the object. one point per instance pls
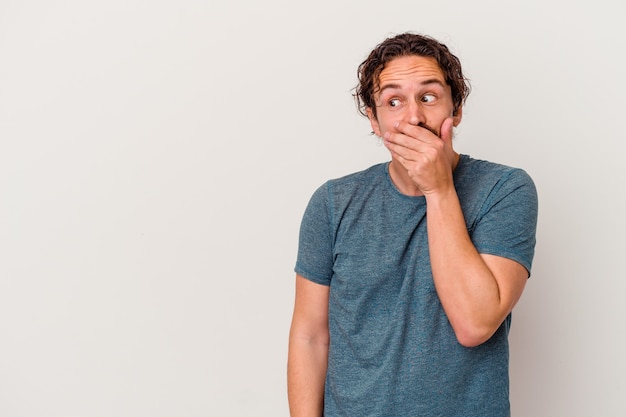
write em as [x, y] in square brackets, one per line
[306, 373]
[467, 288]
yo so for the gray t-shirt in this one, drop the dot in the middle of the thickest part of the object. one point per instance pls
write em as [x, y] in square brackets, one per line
[392, 349]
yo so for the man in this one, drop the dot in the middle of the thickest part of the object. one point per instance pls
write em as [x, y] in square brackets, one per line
[407, 272]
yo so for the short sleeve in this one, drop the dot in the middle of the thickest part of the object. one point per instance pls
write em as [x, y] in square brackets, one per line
[507, 221]
[315, 248]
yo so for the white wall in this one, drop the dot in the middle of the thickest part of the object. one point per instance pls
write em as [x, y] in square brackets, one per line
[156, 157]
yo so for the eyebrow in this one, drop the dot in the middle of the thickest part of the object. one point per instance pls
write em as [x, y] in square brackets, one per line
[397, 86]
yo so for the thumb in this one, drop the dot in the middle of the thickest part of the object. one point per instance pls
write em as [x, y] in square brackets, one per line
[446, 129]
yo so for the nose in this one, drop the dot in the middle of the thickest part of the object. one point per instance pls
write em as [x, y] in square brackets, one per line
[414, 114]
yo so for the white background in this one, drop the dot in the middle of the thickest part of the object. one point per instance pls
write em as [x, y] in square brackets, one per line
[156, 158]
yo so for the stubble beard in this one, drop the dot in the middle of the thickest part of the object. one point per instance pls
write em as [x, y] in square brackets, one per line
[430, 129]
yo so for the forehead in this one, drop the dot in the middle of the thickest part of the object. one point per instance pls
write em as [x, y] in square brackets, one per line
[411, 68]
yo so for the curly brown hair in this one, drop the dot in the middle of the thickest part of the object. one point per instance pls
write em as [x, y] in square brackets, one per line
[407, 44]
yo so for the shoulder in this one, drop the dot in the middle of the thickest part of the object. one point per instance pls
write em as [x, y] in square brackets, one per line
[486, 175]
[483, 185]
[339, 191]
[365, 176]
[353, 183]
[480, 167]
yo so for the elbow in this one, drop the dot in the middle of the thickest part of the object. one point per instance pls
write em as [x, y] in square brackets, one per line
[474, 330]
[473, 336]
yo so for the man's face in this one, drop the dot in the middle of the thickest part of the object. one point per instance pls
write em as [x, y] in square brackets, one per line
[412, 89]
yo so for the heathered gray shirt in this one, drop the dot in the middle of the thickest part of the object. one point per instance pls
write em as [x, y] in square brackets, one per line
[392, 349]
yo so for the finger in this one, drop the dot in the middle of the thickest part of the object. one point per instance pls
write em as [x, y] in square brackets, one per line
[447, 128]
[422, 131]
[399, 150]
[406, 140]
[408, 130]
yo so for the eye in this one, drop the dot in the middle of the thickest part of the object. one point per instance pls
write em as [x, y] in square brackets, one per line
[428, 98]
[394, 102]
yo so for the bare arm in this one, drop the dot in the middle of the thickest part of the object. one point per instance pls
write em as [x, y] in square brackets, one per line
[477, 291]
[308, 349]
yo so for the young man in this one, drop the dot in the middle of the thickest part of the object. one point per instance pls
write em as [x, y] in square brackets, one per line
[407, 272]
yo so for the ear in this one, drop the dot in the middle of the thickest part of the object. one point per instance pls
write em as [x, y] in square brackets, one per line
[373, 122]
[457, 116]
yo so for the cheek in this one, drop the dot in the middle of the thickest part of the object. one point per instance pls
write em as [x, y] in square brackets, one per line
[388, 127]
[387, 123]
